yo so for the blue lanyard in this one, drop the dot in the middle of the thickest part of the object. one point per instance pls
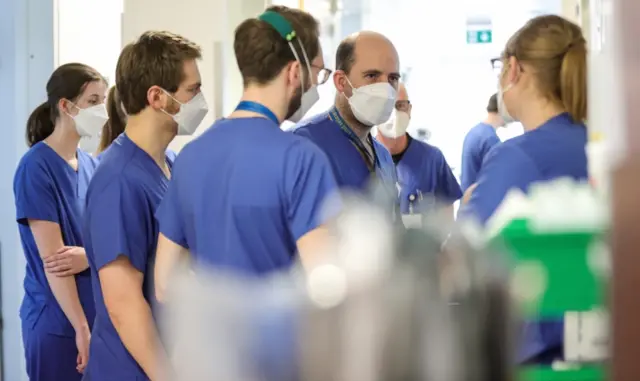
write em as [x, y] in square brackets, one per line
[371, 161]
[259, 109]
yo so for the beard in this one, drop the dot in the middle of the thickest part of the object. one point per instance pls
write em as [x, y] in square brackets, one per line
[295, 103]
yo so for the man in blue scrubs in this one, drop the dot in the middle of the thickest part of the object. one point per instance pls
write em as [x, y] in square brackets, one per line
[425, 178]
[246, 196]
[366, 80]
[159, 84]
[479, 140]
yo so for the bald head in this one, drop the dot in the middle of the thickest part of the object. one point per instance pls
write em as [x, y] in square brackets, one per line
[362, 43]
[365, 58]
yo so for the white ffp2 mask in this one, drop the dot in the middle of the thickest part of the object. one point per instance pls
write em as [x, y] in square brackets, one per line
[396, 126]
[190, 114]
[373, 104]
[89, 121]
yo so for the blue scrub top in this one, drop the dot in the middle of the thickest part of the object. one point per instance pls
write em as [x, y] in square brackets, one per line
[477, 144]
[243, 193]
[423, 173]
[555, 149]
[121, 202]
[349, 167]
[46, 188]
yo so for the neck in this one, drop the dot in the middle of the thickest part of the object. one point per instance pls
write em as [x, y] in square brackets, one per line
[64, 140]
[537, 113]
[354, 124]
[150, 135]
[393, 145]
[268, 96]
[493, 120]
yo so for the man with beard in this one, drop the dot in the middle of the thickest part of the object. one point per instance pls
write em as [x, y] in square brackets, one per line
[366, 80]
[246, 196]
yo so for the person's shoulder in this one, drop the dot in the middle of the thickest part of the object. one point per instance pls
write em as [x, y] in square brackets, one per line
[312, 124]
[35, 156]
[428, 150]
[511, 152]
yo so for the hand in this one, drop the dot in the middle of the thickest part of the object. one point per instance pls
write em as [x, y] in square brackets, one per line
[468, 193]
[67, 261]
[83, 337]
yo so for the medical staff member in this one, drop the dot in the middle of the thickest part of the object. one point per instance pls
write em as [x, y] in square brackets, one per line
[477, 143]
[159, 85]
[366, 81]
[117, 120]
[246, 196]
[425, 178]
[50, 184]
[544, 86]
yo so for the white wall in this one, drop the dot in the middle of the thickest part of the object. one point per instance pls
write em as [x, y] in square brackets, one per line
[208, 23]
[89, 31]
[26, 61]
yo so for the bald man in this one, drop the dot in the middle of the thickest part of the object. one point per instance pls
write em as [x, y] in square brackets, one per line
[366, 80]
[426, 181]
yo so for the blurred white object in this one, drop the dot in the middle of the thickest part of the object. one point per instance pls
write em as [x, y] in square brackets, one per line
[600, 161]
[586, 336]
[224, 327]
[558, 205]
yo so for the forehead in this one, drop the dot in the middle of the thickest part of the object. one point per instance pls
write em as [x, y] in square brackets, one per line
[375, 53]
[98, 88]
[191, 72]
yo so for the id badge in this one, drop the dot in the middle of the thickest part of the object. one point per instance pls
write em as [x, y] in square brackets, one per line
[412, 221]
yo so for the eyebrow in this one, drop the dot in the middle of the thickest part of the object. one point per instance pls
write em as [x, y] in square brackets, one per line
[196, 85]
[372, 71]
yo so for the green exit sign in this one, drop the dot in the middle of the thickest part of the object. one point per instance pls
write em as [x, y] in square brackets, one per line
[483, 36]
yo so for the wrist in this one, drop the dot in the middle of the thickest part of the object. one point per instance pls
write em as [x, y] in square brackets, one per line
[82, 328]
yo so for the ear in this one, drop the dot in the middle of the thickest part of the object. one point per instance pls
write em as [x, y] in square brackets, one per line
[156, 97]
[293, 74]
[65, 107]
[513, 70]
[340, 81]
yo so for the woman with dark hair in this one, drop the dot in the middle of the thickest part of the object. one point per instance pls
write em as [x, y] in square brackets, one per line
[116, 123]
[50, 184]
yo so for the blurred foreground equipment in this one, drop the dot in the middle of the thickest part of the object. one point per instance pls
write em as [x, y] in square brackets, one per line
[386, 305]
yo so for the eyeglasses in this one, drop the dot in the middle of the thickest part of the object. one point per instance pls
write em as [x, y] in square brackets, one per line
[323, 74]
[403, 106]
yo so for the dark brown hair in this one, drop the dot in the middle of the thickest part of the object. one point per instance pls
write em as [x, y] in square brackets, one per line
[261, 52]
[66, 82]
[155, 59]
[345, 55]
[117, 120]
[556, 50]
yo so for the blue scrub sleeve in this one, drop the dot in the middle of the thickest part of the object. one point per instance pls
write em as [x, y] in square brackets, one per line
[35, 195]
[308, 183]
[119, 219]
[490, 142]
[169, 214]
[447, 188]
[505, 167]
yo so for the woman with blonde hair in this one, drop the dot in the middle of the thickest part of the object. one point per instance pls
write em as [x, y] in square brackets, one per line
[543, 85]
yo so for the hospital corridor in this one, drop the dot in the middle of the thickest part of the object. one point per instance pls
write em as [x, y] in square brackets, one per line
[319, 190]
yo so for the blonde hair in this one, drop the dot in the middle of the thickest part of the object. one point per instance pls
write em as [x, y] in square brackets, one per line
[556, 50]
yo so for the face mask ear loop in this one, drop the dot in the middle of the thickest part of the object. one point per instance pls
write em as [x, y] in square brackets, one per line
[295, 54]
[308, 63]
